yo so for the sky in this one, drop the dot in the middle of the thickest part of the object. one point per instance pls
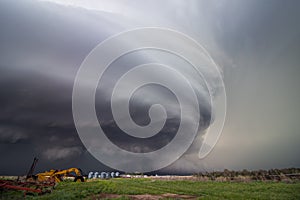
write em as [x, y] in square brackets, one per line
[256, 45]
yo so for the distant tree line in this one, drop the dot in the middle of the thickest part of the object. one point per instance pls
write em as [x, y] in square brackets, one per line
[286, 174]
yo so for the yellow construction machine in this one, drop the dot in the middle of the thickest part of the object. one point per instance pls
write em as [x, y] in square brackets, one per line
[58, 175]
[54, 175]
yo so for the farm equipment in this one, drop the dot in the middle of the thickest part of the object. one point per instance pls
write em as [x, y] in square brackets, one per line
[58, 175]
[27, 186]
[42, 182]
[53, 176]
[30, 172]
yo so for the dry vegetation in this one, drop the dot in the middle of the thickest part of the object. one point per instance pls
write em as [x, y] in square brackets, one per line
[285, 175]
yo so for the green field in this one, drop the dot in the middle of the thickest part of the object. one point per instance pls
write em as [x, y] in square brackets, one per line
[126, 188]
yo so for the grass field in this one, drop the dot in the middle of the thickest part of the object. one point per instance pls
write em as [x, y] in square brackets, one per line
[127, 188]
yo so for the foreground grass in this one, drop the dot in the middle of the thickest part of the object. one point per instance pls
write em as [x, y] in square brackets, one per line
[202, 190]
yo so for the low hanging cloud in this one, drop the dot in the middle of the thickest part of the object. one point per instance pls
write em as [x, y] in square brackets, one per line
[12, 134]
[59, 153]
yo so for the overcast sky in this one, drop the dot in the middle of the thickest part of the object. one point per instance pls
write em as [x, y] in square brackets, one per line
[255, 43]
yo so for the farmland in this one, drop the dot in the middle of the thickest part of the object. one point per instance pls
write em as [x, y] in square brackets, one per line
[147, 188]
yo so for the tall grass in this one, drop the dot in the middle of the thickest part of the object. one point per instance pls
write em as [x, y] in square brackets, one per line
[202, 190]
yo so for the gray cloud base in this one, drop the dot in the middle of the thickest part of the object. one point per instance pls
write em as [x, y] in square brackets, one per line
[256, 43]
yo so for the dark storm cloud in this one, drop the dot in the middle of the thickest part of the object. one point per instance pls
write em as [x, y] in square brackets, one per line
[41, 49]
[42, 45]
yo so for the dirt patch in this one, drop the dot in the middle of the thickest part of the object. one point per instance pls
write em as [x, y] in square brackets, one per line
[144, 196]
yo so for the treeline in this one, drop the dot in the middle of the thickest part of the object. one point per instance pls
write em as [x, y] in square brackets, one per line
[287, 174]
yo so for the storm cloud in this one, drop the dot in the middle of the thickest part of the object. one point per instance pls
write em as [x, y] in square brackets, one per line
[256, 44]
